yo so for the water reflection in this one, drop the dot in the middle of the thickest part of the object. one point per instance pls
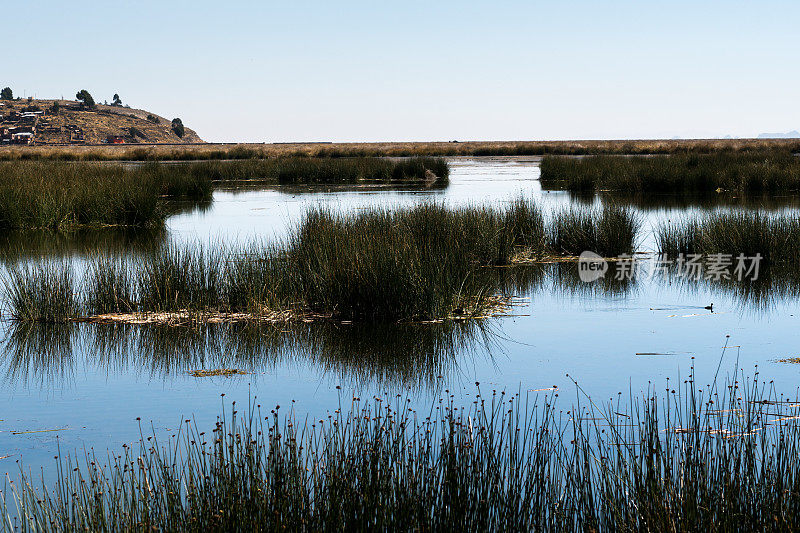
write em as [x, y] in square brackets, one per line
[772, 288]
[408, 355]
[240, 187]
[32, 244]
[615, 283]
[646, 202]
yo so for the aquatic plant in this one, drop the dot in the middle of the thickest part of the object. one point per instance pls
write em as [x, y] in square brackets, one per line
[58, 195]
[685, 458]
[776, 237]
[41, 292]
[608, 231]
[109, 288]
[427, 262]
[55, 195]
[745, 172]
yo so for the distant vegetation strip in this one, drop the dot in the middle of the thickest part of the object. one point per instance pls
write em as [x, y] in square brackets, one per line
[61, 195]
[427, 262]
[297, 170]
[691, 458]
[745, 172]
[393, 149]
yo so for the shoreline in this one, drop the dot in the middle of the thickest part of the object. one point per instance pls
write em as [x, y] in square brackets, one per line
[215, 151]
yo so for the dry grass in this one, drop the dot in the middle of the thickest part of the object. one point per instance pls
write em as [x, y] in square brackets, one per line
[393, 149]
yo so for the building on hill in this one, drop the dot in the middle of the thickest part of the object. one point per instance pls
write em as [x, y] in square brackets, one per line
[22, 137]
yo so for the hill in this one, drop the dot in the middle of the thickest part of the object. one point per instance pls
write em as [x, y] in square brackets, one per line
[794, 134]
[59, 122]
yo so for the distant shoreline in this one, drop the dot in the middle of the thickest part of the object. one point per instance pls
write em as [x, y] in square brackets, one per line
[203, 151]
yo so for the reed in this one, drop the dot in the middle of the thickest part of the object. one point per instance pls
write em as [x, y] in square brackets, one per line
[41, 292]
[776, 237]
[58, 195]
[748, 172]
[427, 262]
[608, 231]
[109, 287]
[68, 195]
[688, 458]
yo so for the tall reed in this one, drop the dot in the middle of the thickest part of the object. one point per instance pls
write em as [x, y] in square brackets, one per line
[719, 458]
[67, 195]
[608, 231]
[427, 262]
[42, 292]
[776, 237]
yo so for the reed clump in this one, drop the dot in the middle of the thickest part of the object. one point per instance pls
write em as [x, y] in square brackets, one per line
[427, 262]
[306, 170]
[689, 459]
[52, 195]
[43, 292]
[742, 172]
[775, 237]
[608, 231]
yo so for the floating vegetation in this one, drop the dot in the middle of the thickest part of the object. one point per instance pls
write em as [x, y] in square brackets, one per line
[711, 458]
[748, 172]
[425, 263]
[225, 372]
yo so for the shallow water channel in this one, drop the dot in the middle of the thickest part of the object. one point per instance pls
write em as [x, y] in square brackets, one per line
[84, 386]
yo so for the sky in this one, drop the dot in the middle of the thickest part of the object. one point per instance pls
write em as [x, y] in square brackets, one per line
[262, 71]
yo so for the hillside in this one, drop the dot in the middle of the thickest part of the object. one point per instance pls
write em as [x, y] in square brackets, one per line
[40, 123]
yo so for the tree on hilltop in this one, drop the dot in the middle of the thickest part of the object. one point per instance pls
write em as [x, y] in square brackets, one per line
[177, 127]
[7, 94]
[85, 98]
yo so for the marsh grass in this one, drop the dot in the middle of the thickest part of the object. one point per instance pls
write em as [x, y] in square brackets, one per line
[305, 170]
[427, 262]
[689, 458]
[776, 237]
[58, 195]
[748, 172]
[109, 287]
[68, 195]
[608, 231]
[353, 170]
[43, 292]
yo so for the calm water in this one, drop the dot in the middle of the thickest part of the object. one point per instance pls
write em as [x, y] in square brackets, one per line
[92, 383]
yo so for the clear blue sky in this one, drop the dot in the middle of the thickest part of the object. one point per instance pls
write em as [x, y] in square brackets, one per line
[374, 71]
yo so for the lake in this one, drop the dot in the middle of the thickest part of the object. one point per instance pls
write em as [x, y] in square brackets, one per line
[91, 383]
